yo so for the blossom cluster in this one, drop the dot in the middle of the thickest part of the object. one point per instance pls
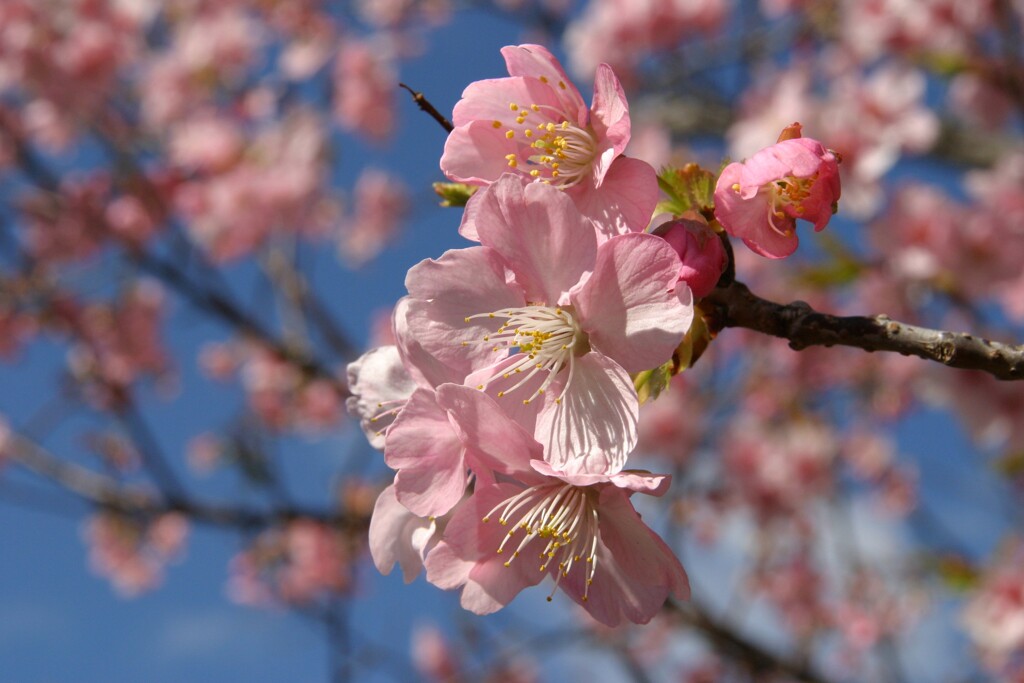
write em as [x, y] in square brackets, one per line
[507, 405]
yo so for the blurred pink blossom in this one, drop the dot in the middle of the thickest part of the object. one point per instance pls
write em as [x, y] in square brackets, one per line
[381, 202]
[365, 84]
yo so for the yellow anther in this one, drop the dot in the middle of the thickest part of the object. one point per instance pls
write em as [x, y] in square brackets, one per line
[510, 134]
[513, 106]
[561, 84]
[496, 124]
[535, 173]
[528, 133]
[543, 79]
[735, 187]
[535, 107]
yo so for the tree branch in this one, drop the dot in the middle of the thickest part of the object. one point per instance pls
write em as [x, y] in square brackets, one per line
[735, 305]
[732, 645]
[106, 492]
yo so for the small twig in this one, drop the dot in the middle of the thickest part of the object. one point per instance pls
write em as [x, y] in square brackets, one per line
[735, 305]
[424, 104]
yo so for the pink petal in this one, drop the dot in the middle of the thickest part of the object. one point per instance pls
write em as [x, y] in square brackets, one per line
[609, 114]
[632, 480]
[375, 378]
[594, 426]
[428, 455]
[623, 202]
[539, 232]
[636, 571]
[491, 100]
[445, 569]
[468, 555]
[392, 528]
[475, 153]
[444, 292]
[538, 62]
[511, 401]
[467, 228]
[627, 306]
[495, 441]
[426, 370]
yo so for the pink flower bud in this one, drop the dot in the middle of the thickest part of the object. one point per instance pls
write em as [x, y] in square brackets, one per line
[699, 249]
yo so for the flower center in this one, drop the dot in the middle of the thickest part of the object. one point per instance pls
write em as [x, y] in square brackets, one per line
[787, 197]
[552, 149]
[542, 338]
[564, 517]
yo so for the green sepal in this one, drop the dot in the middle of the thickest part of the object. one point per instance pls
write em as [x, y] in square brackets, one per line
[650, 383]
[454, 194]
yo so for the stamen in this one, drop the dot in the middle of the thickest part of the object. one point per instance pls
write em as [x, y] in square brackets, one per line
[540, 339]
[563, 515]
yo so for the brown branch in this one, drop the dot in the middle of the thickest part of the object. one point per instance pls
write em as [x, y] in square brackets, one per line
[424, 104]
[734, 305]
[731, 645]
[106, 492]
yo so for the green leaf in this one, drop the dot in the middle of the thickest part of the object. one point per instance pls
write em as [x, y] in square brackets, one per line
[690, 188]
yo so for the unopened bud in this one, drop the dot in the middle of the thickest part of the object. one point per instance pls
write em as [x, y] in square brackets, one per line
[699, 248]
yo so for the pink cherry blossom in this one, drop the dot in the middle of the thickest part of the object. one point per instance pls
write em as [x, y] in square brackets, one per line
[297, 563]
[535, 124]
[583, 528]
[365, 83]
[623, 32]
[576, 317]
[994, 616]
[381, 202]
[760, 199]
[132, 553]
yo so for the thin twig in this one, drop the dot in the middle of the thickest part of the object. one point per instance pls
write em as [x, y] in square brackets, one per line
[424, 104]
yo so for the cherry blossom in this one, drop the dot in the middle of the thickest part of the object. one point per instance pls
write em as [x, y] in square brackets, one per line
[576, 317]
[535, 124]
[760, 199]
[583, 528]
